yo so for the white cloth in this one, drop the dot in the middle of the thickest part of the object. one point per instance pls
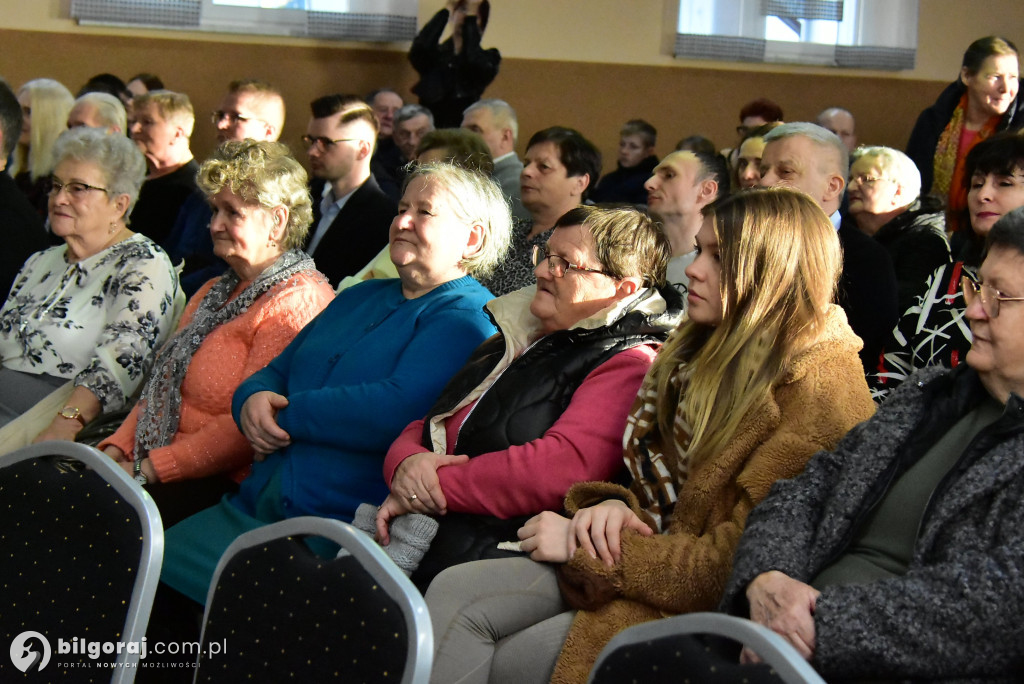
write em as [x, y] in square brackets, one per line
[98, 321]
[676, 275]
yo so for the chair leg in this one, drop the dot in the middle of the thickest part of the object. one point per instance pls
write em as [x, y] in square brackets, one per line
[176, 619]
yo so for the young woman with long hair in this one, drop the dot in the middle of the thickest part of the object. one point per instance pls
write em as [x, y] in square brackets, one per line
[763, 374]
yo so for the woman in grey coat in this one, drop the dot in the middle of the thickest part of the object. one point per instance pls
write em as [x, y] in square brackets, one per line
[900, 554]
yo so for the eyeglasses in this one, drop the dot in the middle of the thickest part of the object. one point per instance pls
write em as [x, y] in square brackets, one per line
[866, 180]
[990, 296]
[321, 141]
[557, 265]
[232, 117]
[75, 189]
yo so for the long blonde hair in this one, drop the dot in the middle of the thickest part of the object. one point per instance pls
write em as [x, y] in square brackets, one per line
[50, 102]
[780, 260]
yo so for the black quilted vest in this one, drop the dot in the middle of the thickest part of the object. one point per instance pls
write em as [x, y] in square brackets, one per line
[520, 406]
[531, 394]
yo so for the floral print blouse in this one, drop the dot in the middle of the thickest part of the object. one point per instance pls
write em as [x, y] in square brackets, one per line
[98, 321]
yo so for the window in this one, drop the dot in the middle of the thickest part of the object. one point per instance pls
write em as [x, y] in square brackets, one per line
[362, 20]
[864, 34]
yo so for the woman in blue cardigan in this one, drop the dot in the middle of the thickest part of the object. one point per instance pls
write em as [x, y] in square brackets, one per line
[320, 417]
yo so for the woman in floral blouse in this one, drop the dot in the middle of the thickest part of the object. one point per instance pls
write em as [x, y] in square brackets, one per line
[95, 309]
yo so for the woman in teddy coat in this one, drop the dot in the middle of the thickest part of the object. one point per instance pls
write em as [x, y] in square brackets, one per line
[763, 374]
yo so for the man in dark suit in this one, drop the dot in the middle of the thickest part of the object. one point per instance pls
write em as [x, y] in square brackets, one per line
[807, 157]
[23, 231]
[351, 215]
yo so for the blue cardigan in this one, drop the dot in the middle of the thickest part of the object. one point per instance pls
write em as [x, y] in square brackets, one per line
[368, 365]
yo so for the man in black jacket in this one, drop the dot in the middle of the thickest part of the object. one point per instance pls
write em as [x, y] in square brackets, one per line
[351, 215]
[807, 157]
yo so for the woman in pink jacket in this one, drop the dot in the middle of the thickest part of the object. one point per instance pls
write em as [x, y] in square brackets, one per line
[542, 404]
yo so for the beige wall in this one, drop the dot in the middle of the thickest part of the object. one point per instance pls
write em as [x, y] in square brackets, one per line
[586, 63]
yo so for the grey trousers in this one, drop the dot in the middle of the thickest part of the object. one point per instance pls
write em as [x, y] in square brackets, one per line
[497, 621]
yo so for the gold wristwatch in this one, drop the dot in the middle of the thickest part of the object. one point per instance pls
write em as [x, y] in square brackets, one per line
[72, 413]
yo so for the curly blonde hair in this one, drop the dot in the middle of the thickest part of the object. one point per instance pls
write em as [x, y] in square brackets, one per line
[264, 173]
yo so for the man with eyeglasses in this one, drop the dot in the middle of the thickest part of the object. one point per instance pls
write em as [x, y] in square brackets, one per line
[22, 229]
[251, 109]
[351, 215]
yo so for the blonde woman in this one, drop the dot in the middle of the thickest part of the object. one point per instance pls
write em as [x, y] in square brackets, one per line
[45, 104]
[763, 374]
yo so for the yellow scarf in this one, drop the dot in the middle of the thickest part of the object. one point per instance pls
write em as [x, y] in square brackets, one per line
[949, 165]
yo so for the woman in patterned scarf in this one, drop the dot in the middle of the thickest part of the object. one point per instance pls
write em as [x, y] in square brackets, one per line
[980, 102]
[763, 374]
[181, 439]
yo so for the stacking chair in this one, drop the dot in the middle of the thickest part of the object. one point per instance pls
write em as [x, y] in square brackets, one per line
[662, 651]
[81, 546]
[280, 611]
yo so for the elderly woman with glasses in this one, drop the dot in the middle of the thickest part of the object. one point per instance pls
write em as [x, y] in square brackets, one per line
[542, 404]
[933, 330]
[883, 194]
[897, 556]
[94, 309]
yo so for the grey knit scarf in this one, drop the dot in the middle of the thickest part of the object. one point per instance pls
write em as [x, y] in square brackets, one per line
[160, 403]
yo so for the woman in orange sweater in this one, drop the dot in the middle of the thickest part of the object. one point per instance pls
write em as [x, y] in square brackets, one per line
[182, 431]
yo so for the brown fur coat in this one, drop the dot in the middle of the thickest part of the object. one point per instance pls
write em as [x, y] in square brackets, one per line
[685, 569]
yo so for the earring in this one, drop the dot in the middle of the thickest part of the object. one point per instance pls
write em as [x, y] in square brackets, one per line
[271, 242]
[113, 228]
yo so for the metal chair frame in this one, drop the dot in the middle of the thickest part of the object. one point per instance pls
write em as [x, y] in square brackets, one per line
[771, 647]
[152, 531]
[371, 557]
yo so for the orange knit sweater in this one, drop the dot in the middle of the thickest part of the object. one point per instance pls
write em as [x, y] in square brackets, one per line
[208, 441]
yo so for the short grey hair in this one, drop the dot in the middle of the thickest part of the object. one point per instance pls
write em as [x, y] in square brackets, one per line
[411, 111]
[896, 165]
[832, 111]
[475, 199]
[1008, 232]
[117, 157]
[821, 136]
[109, 109]
[502, 112]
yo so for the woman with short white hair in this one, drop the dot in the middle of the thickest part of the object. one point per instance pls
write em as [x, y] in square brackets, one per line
[883, 194]
[94, 309]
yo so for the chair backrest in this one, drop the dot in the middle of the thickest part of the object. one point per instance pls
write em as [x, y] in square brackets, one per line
[635, 648]
[279, 611]
[80, 557]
